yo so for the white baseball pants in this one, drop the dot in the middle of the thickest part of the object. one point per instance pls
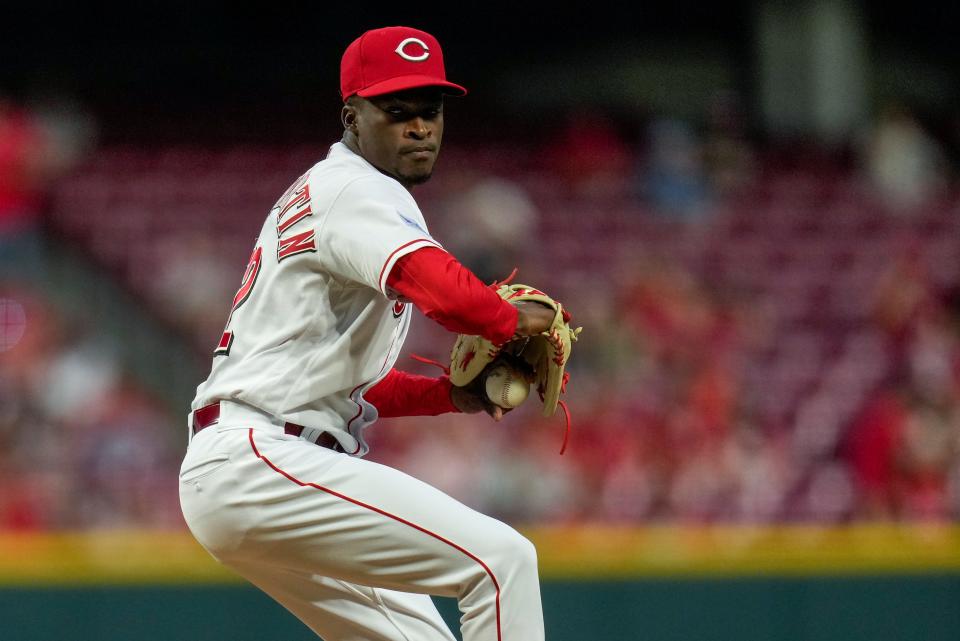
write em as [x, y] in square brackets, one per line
[351, 547]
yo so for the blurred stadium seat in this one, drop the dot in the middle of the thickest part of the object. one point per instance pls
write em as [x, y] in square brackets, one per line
[765, 324]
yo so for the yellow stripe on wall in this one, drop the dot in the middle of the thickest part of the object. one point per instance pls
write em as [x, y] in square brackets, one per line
[109, 556]
[664, 551]
[581, 552]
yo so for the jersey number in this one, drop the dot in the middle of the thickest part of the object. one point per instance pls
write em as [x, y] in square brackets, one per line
[249, 279]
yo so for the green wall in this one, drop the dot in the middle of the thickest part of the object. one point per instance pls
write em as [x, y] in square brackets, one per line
[875, 608]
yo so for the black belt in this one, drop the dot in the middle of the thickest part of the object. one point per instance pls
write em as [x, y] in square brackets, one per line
[209, 415]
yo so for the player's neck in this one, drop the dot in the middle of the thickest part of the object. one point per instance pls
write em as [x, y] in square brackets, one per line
[350, 140]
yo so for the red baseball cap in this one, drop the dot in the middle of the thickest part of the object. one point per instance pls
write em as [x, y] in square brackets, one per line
[393, 59]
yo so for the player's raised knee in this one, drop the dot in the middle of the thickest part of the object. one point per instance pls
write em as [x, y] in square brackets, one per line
[526, 551]
[510, 549]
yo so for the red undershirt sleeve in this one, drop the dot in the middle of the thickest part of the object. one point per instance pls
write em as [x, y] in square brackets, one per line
[448, 293]
[404, 394]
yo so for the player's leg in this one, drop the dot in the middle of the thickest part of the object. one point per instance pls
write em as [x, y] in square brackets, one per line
[294, 506]
[342, 611]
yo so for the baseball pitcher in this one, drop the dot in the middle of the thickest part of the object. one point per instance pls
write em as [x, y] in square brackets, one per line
[273, 483]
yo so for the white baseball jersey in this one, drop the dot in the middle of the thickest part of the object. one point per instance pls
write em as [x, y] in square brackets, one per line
[313, 325]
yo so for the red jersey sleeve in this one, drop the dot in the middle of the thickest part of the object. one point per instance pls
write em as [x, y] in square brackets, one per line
[448, 293]
[404, 394]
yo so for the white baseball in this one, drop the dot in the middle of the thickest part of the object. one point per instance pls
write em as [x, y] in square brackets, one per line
[506, 387]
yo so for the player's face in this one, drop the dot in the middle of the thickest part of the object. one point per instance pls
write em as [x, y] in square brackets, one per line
[400, 133]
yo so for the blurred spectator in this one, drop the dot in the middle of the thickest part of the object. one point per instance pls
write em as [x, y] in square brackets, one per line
[728, 156]
[124, 462]
[905, 446]
[672, 177]
[196, 285]
[903, 451]
[904, 165]
[762, 473]
[70, 130]
[903, 293]
[709, 384]
[929, 450]
[589, 157]
[82, 446]
[495, 220]
[23, 168]
[872, 445]
[31, 158]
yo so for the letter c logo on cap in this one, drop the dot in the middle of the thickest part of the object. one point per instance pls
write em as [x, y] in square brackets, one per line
[406, 56]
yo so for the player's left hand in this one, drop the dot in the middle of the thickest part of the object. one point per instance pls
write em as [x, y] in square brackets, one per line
[544, 341]
[545, 353]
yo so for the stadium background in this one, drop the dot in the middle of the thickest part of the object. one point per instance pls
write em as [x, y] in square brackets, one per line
[753, 209]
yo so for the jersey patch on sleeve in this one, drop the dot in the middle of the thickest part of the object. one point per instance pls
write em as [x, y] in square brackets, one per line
[411, 223]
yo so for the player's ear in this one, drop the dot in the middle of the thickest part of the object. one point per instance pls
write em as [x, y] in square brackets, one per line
[348, 116]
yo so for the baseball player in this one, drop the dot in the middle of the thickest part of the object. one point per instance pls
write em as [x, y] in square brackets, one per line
[273, 483]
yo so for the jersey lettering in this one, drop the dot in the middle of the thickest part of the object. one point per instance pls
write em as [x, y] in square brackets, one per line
[249, 278]
[246, 286]
[298, 207]
[289, 192]
[226, 342]
[296, 244]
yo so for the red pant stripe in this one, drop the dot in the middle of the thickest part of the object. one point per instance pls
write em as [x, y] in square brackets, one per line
[388, 515]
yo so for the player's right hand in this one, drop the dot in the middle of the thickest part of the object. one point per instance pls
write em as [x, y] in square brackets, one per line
[473, 398]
